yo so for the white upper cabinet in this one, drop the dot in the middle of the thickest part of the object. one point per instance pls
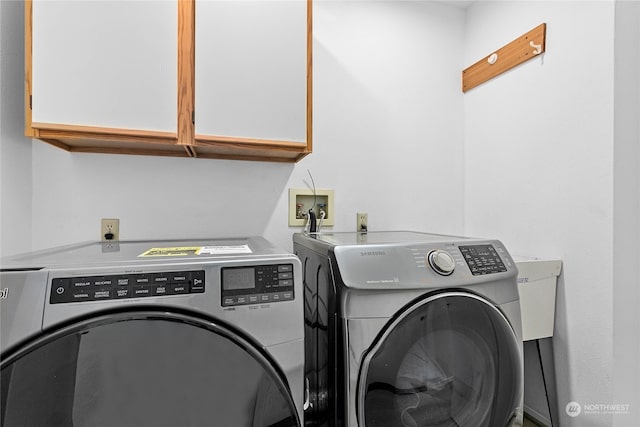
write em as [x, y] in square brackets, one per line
[251, 69]
[106, 64]
[224, 79]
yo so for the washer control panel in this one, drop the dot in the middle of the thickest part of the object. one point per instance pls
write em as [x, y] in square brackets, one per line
[123, 286]
[482, 259]
[257, 284]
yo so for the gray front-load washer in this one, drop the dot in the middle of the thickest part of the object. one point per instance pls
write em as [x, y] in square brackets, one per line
[409, 329]
[153, 333]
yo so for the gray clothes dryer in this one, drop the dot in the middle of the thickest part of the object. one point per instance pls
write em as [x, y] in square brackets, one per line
[407, 329]
[153, 333]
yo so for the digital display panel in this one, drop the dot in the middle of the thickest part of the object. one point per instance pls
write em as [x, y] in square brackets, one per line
[257, 284]
[482, 259]
[238, 278]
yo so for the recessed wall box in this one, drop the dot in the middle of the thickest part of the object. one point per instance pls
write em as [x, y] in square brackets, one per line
[302, 199]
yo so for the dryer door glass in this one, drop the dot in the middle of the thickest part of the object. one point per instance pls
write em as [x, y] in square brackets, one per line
[144, 369]
[451, 360]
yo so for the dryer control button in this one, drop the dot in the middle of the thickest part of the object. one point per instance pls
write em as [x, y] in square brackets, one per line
[441, 262]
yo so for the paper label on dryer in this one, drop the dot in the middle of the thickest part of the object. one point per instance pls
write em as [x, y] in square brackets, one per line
[197, 250]
[175, 251]
[225, 250]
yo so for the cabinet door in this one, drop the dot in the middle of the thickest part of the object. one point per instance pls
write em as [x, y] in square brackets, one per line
[105, 64]
[251, 69]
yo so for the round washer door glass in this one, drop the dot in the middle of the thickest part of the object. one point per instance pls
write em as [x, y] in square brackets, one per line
[451, 360]
[144, 369]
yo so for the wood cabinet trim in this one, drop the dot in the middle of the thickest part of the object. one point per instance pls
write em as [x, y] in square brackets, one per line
[28, 51]
[250, 143]
[186, 71]
[142, 150]
[309, 76]
[51, 130]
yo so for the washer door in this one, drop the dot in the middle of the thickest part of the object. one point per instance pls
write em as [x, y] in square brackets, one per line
[451, 360]
[144, 369]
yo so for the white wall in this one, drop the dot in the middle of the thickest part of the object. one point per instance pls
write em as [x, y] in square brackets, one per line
[387, 116]
[387, 139]
[626, 289]
[539, 165]
[15, 150]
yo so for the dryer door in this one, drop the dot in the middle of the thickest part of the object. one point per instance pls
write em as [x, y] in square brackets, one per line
[449, 360]
[144, 369]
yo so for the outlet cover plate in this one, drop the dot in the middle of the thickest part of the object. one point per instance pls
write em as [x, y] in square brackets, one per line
[362, 222]
[110, 225]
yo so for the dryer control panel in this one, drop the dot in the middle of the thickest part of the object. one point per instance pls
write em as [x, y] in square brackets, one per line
[257, 284]
[123, 286]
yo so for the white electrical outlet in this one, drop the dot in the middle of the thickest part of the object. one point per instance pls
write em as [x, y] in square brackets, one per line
[110, 229]
[362, 222]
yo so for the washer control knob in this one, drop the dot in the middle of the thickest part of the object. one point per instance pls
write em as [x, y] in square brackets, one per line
[441, 262]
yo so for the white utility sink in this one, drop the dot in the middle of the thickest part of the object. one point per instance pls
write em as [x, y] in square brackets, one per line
[537, 280]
